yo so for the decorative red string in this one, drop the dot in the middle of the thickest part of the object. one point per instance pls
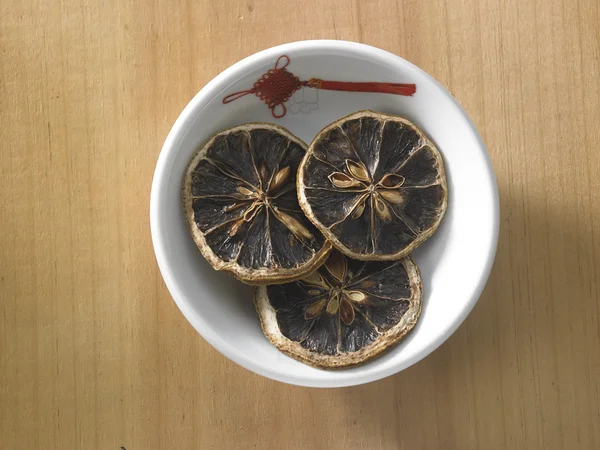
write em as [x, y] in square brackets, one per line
[277, 86]
[384, 88]
[274, 88]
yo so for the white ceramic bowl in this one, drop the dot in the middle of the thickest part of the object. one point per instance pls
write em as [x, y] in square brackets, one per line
[455, 262]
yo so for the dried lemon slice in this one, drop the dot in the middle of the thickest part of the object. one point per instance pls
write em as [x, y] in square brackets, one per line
[240, 202]
[374, 185]
[345, 313]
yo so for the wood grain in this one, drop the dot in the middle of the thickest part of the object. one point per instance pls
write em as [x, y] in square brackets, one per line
[94, 353]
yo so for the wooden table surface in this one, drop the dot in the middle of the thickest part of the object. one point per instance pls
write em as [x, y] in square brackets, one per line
[94, 354]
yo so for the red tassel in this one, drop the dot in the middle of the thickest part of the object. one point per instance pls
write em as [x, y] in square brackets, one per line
[351, 86]
[277, 85]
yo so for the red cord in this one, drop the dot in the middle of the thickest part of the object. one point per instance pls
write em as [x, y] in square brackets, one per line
[274, 88]
[277, 86]
[384, 88]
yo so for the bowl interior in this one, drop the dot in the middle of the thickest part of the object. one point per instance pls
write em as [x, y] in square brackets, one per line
[454, 263]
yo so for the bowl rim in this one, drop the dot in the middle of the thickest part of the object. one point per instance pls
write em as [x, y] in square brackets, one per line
[178, 132]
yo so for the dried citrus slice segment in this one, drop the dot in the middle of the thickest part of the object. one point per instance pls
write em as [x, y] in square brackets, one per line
[374, 185]
[345, 313]
[240, 202]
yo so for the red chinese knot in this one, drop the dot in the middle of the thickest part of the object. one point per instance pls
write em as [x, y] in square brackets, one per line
[277, 86]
